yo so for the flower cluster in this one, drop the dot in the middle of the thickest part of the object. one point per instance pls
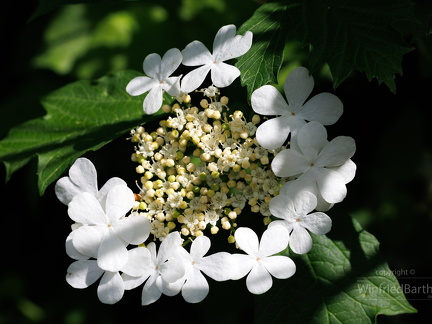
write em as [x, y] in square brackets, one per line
[200, 168]
[205, 168]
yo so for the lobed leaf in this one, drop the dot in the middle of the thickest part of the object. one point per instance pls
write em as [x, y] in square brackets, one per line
[347, 35]
[82, 116]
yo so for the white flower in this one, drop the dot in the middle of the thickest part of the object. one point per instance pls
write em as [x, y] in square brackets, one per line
[106, 232]
[220, 266]
[260, 262]
[227, 45]
[321, 167]
[83, 273]
[296, 218]
[324, 108]
[158, 80]
[83, 178]
[162, 270]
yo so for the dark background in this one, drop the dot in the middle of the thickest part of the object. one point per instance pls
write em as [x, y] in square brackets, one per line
[391, 195]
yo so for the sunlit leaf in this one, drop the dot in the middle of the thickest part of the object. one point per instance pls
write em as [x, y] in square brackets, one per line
[81, 116]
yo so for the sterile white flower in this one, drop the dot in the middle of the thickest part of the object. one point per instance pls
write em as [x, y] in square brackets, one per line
[83, 273]
[83, 178]
[162, 270]
[227, 45]
[157, 80]
[296, 218]
[324, 108]
[320, 167]
[260, 261]
[220, 266]
[106, 232]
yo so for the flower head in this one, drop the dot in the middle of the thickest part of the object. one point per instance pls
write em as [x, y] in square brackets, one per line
[296, 218]
[324, 108]
[158, 79]
[260, 261]
[227, 45]
[318, 166]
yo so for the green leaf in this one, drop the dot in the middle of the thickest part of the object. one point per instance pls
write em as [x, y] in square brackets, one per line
[261, 64]
[347, 35]
[81, 116]
[343, 280]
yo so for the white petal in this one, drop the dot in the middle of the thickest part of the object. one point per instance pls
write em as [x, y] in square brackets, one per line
[282, 206]
[65, 190]
[247, 240]
[153, 100]
[168, 247]
[322, 205]
[199, 247]
[259, 280]
[195, 53]
[267, 100]
[223, 74]
[170, 289]
[111, 288]
[306, 182]
[119, 201]
[336, 152]
[311, 139]
[288, 163]
[195, 78]
[172, 86]
[298, 86]
[112, 254]
[131, 282]
[300, 241]
[152, 66]
[274, 240]
[236, 46]
[304, 202]
[331, 185]
[289, 225]
[220, 266]
[223, 39]
[324, 108]
[347, 170]
[72, 251]
[196, 287]
[103, 192]
[139, 263]
[83, 174]
[133, 229]
[83, 273]
[245, 264]
[318, 223]
[86, 209]
[151, 292]
[139, 85]
[87, 239]
[279, 266]
[273, 133]
[172, 270]
[170, 62]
